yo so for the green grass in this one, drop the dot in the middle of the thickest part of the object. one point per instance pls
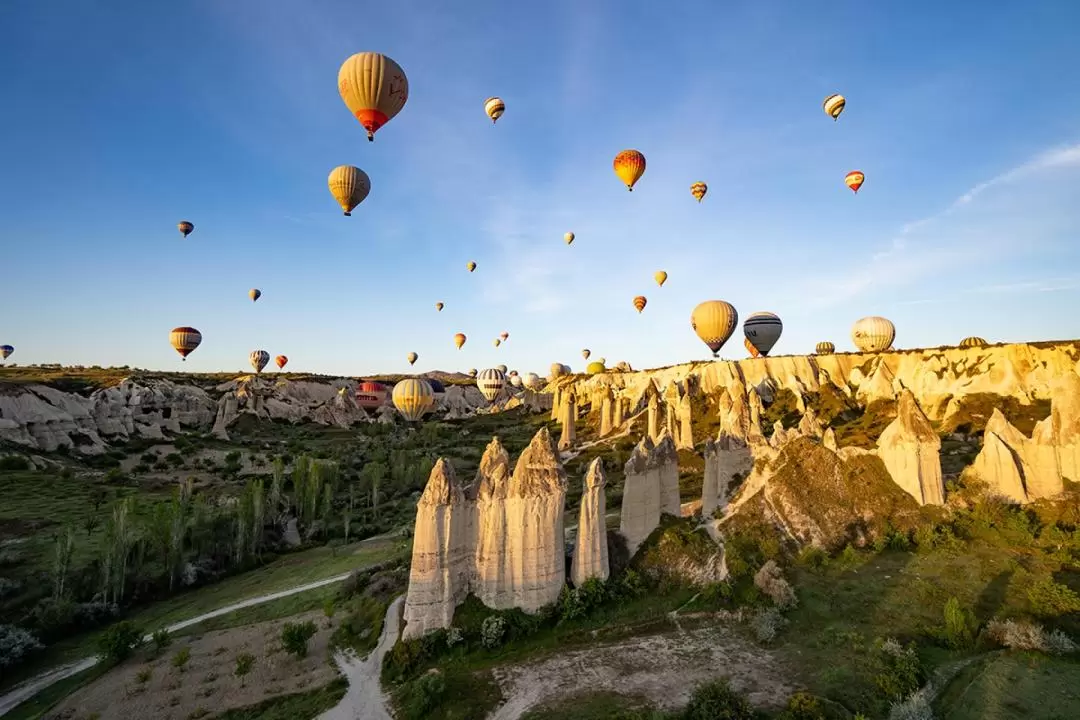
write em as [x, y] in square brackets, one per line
[273, 610]
[292, 707]
[1013, 686]
[594, 706]
[37, 706]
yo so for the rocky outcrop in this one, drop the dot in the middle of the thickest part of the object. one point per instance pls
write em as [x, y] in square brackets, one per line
[568, 419]
[650, 488]
[911, 451]
[606, 412]
[591, 551]
[506, 545]
[332, 403]
[727, 461]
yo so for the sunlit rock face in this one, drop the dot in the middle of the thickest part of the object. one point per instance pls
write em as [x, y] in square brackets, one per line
[650, 489]
[911, 451]
[591, 551]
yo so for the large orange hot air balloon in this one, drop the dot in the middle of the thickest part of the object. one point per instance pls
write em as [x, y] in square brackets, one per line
[184, 340]
[639, 302]
[374, 88]
[280, 361]
[854, 180]
[629, 166]
[459, 340]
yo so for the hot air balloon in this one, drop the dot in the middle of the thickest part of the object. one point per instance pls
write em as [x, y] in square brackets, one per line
[531, 380]
[258, 359]
[854, 180]
[714, 321]
[281, 361]
[558, 370]
[411, 357]
[374, 88]
[459, 340]
[973, 341]
[595, 368]
[640, 302]
[514, 380]
[184, 340]
[698, 190]
[586, 353]
[436, 387]
[494, 107]
[501, 368]
[496, 342]
[834, 105]
[873, 334]
[5, 351]
[504, 335]
[185, 227]
[661, 277]
[629, 166]
[254, 294]
[470, 266]
[750, 348]
[762, 330]
[439, 306]
[370, 395]
[413, 397]
[568, 237]
[472, 372]
[349, 185]
[491, 382]
[824, 348]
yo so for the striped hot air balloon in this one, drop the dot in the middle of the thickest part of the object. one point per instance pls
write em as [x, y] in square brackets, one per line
[873, 334]
[258, 359]
[370, 395]
[714, 321]
[413, 397]
[834, 105]
[185, 227]
[5, 351]
[470, 266]
[762, 330]
[281, 361]
[491, 382]
[184, 340]
[698, 190]
[459, 340]
[854, 180]
[750, 348]
[595, 368]
[824, 348]
[629, 166]
[472, 372]
[439, 306]
[639, 303]
[494, 107]
[349, 185]
[973, 341]
[374, 88]
[586, 353]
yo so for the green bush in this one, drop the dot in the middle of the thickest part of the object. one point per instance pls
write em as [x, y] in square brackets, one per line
[1050, 599]
[295, 637]
[803, 706]
[717, 701]
[180, 658]
[162, 639]
[423, 695]
[244, 663]
[117, 642]
[899, 672]
[960, 626]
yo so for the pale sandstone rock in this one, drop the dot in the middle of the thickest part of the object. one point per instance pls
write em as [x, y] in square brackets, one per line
[664, 461]
[878, 387]
[911, 451]
[999, 467]
[828, 439]
[726, 458]
[683, 415]
[809, 425]
[493, 566]
[654, 417]
[591, 551]
[606, 402]
[618, 405]
[640, 512]
[569, 421]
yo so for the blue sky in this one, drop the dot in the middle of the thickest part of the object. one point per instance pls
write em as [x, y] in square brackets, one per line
[120, 118]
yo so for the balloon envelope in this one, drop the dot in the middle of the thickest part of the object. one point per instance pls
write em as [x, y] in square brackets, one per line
[568, 237]
[185, 227]
[411, 357]
[714, 321]
[494, 107]
[184, 340]
[281, 361]
[371, 395]
[629, 166]
[660, 277]
[854, 180]
[459, 340]
[258, 359]
[254, 294]
[824, 348]
[973, 341]
[698, 190]
[595, 368]
[639, 303]
[762, 330]
[413, 397]
[750, 348]
[834, 105]
[5, 351]
[491, 382]
[873, 334]
[374, 88]
[586, 353]
[349, 185]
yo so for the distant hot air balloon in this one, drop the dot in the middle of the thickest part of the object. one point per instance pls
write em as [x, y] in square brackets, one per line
[824, 348]
[459, 340]
[491, 382]
[349, 185]
[374, 88]
[762, 330]
[586, 353]
[494, 107]
[834, 105]
[640, 302]
[698, 190]
[595, 368]
[629, 166]
[514, 380]
[436, 387]
[714, 321]
[558, 370]
[568, 237]
[411, 357]
[413, 397]
[184, 340]
[504, 335]
[661, 277]
[501, 368]
[854, 180]
[254, 294]
[258, 359]
[470, 266]
[750, 348]
[185, 227]
[973, 341]
[873, 334]
[5, 351]
[370, 395]
[472, 372]
[531, 380]
[439, 306]
[496, 342]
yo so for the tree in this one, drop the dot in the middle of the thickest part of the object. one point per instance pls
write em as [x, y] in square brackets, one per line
[118, 641]
[295, 637]
[244, 663]
[65, 544]
[180, 659]
[346, 517]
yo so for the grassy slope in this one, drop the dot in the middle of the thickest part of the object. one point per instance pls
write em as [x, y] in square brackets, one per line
[1014, 686]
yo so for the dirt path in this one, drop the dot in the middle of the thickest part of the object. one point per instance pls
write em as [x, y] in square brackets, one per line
[365, 697]
[663, 668]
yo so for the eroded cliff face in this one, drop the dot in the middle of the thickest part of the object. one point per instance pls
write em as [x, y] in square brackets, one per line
[650, 489]
[591, 551]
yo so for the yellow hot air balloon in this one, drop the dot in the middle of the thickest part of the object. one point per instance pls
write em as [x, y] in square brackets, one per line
[413, 397]
[439, 306]
[374, 88]
[470, 266]
[714, 321]
[459, 340]
[494, 107]
[854, 180]
[254, 294]
[824, 348]
[595, 368]
[698, 190]
[640, 302]
[973, 341]
[496, 342]
[629, 166]
[185, 227]
[834, 105]
[873, 334]
[184, 340]
[411, 357]
[660, 277]
[586, 353]
[349, 185]
[568, 237]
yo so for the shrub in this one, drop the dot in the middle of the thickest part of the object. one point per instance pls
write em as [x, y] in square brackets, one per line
[14, 463]
[899, 670]
[295, 637]
[717, 701]
[143, 676]
[244, 663]
[767, 623]
[180, 658]
[454, 636]
[95, 614]
[117, 642]
[8, 587]
[960, 625]
[803, 706]
[492, 631]
[770, 580]
[812, 556]
[162, 639]
[915, 707]
[1049, 598]
[1022, 635]
[423, 695]
[16, 645]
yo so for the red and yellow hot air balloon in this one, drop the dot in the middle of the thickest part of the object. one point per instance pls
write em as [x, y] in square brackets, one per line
[459, 340]
[751, 349]
[185, 227]
[184, 340]
[281, 361]
[374, 88]
[854, 180]
[629, 166]
[639, 302]
[698, 190]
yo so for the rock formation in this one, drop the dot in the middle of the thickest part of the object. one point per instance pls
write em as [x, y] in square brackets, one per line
[911, 450]
[568, 418]
[591, 551]
[606, 402]
[727, 460]
[650, 488]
